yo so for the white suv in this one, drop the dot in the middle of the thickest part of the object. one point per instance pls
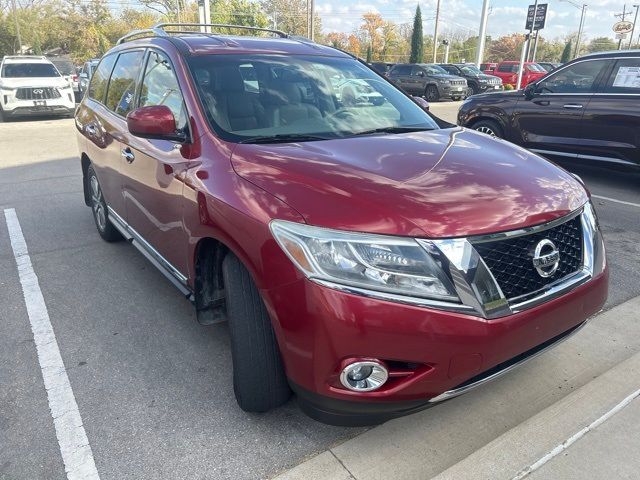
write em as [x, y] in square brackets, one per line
[33, 86]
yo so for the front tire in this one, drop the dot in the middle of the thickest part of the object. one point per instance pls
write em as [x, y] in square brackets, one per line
[431, 93]
[489, 127]
[259, 380]
[107, 231]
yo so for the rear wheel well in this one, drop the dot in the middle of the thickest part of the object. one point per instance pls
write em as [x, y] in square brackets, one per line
[209, 289]
[85, 162]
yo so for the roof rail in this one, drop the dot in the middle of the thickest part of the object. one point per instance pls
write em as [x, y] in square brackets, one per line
[159, 30]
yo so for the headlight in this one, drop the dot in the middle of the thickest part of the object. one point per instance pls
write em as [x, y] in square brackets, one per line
[483, 80]
[394, 265]
[444, 82]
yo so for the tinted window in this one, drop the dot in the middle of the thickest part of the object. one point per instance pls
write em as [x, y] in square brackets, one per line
[470, 70]
[29, 70]
[577, 78]
[450, 69]
[534, 67]
[65, 67]
[100, 79]
[122, 85]
[417, 72]
[401, 70]
[625, 77]
[508, 67]
[160, 87]
[435, 70]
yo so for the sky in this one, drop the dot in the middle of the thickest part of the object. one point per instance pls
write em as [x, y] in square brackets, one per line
[506, 16]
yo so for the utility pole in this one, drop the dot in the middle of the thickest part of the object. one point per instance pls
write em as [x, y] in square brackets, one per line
[435, 32]
[525, 46]
[582, 17]
[633, 30]
[482, 34]
[15, 19]
[622, 16]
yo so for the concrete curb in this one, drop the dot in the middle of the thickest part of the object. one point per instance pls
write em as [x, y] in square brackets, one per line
[503, 427]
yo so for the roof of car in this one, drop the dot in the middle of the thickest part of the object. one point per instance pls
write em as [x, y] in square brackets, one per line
[25, 59]
[205, 44]
[613, 53]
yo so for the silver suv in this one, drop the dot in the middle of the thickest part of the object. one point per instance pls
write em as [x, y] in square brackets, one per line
[428, 80]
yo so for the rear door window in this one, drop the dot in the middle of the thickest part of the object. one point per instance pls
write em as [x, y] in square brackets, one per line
[122, 85]
[625, 77]
[401, 70]
[577, 78]
[100, 79]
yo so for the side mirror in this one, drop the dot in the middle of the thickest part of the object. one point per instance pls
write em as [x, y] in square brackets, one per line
[530, 91]
[155, 122]
[422, 103]
[420, 73]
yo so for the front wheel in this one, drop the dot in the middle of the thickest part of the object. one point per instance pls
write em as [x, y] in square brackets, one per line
[489, 127]
[431, 93]
[259, 380]
[105, 228]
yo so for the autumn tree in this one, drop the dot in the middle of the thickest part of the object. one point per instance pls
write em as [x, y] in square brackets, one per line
[417, 44]
[353, 44]
[507, 47]
[337, 40]
[370, 29]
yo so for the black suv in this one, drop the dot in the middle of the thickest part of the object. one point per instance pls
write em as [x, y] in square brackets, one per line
[588, 109]
[428, 80]
[477, 81]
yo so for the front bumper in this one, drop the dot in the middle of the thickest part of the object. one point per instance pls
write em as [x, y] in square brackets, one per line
[327, 326]
[15, 107]
[484, 88]
[452, 91]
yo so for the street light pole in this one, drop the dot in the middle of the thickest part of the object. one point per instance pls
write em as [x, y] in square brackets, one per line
[584, 9]
[482, 34]
[435, 33]
[15, 19]
[633, 30]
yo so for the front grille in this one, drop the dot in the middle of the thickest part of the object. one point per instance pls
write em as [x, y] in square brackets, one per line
[458, 82]
[38, 93]
[511, 260]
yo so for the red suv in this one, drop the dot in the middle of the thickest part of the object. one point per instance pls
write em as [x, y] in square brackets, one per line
[508, 72]
[365, 258]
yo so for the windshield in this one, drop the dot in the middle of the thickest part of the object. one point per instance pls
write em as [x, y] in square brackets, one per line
[470, 70]
[28, 70]
[281, 97]
[65, 67]
[435, 70]
[534, 67]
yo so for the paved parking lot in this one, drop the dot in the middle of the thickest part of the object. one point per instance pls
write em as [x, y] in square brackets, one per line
[154, 388]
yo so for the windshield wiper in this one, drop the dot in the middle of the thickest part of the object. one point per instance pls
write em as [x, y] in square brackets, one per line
[284, 138]
[393, 130]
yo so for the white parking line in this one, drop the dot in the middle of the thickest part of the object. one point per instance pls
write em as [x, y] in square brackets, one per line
[575, 437]
[616, 201]
[72, 438]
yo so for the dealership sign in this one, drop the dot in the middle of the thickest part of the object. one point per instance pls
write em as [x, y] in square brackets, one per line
[541, 17]
[623, 27]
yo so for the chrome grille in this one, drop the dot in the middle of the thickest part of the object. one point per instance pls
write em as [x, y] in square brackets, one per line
[511, 260]
[37, 93]
[458, 82]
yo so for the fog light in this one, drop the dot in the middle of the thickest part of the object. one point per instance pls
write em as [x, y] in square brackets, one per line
[364, 376]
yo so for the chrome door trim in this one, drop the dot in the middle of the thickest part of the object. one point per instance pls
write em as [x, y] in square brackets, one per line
[460, 390]
[580, 155]
[166, 268]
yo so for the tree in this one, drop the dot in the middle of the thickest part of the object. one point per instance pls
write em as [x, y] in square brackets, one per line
[368, 53]
[566, 53]
[507, 47]
[238, 12]
[291, 16]
[354, 45]
[601, 44]
[370, 30]
[337, 40]
[417, 46]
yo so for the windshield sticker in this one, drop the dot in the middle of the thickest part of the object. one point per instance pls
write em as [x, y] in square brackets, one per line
[627, 77]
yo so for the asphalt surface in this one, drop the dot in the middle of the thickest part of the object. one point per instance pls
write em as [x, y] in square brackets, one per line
[153, 387]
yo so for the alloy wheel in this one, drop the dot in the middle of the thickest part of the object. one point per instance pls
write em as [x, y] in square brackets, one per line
[486, 130]
[97, 204]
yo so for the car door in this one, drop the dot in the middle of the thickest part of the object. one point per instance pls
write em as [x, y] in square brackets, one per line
[154, 171]
[548, 117]
[103, 132]
[611, 122]
[417, 81]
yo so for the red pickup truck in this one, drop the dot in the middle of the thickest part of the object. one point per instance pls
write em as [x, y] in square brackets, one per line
[508, 72]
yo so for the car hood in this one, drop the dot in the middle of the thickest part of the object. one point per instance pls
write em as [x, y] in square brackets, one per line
[58, 82]
[447, 77]
[437, 184]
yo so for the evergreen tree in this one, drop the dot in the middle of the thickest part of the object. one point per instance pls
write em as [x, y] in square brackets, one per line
[417, 47]
[566, 53]
[369, 54]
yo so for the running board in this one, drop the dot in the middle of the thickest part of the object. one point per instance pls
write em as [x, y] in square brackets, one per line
[151, 254]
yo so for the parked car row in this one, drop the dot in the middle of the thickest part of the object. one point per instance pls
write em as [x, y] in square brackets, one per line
[587, 109]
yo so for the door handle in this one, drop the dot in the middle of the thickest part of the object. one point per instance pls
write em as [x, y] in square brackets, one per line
[572, 106]
[91, 130]
[128, 155]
